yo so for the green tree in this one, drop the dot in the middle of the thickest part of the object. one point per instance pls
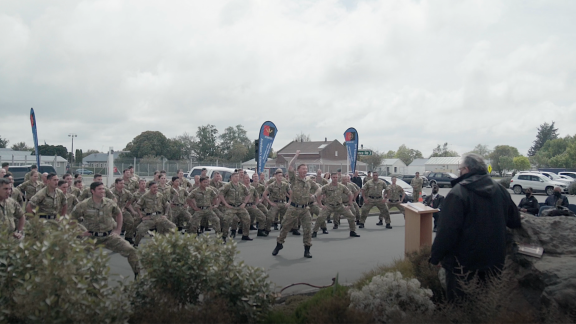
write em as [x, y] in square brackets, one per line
[187, 142]
[557, 153]
[373, 160]
[503, 157]
[388, 155]
[230, 138]
[443, 151]
[521, 163]
[302, 137]
[206, 148]
[85, 154]
[545, 133]
[79, 156]
[21, 146]
[147, 143]
[407, 155]
[3, 142]
[51, 150]
[482, 150]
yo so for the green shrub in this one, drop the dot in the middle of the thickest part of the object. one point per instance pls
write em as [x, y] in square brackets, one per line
[189, 271]
[426, 273]
[51, 276]
[505, 182]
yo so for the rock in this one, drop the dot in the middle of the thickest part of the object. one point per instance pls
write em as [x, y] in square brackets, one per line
[550, 280]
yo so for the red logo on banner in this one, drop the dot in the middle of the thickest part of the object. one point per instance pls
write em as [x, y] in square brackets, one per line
[350, 136]
[269, 131]
[32, 120]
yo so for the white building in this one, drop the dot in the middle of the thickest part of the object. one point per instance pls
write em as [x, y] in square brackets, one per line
[443, 164]
[391, 166]
[418, 165]
[18, 158]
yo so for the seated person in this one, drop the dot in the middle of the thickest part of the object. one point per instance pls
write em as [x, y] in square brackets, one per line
[530, 203]
[434, 200]
[556, 200]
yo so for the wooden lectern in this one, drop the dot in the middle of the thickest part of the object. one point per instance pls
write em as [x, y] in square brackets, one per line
[418, 230]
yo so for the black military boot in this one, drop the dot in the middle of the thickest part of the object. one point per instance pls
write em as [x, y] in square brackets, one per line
[207, 229]
[201, 229]
[388, 226]
[324, 231]
[131, 241]
[353, 234]
[224, 239]
[307, 252]
[380, 223]
[246, 238]
[233, 233]
[262, 233]
[240, 230]
[295, 232]
[253, 228]
[275, 227]
[335, 226]
[122, 233]
[314, 234]
[277, 248]
[361, 225]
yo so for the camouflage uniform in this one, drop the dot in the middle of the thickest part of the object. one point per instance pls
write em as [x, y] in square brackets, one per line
[260, 188]
[221, 209]
[314, 209]
[255, 213]
[298, 209]
[48, 205]
[277, 193]
[10, 214]
[164, 190]
[416, 184]
[29, 188]
[131, 185]
[75, 191]
[88, 194]
[334, 205]
[123, 198]
[373, 191]
[71, 202]
[100, 221]
[395, 193]
[179, 209]
[155, 207]
[234, 196]
[354, 189]
[18, 196]
[204, 200]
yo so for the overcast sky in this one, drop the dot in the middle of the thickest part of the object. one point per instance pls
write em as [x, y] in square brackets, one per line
[418, 73]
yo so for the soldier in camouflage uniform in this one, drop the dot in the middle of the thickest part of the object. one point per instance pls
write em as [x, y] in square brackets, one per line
[77, 188]
[334, 192]
[10, 211]
[30, 187]
[275, 194]
[179, 207]
[204, 200]
[395, 195]
[298, 210]
[86, 193]
[251, 206]
[130, 183]
[372, 193]
[136, 196]
[355, 190]
[97, 214]
[71, 189]
[416, 184]
[153, 208]
[260, 188]
[124, 200]
[50, 200]
[234, 196]
[71, 200]
[163, 188]
[34, 168]
[184, 183]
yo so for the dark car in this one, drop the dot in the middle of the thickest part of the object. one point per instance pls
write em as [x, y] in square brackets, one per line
[441, 178]
[18, 172]
[408, 178]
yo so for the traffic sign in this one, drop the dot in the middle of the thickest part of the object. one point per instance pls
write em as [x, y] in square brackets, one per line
[364, 152]
[489, 168]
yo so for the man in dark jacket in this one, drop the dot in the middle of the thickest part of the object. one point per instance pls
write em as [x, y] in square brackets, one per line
[435, 200]
[471, 237]
[529, 204]
[555, 200]
[358, 181]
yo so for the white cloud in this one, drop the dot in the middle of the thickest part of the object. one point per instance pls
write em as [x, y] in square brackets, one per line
[402, 72]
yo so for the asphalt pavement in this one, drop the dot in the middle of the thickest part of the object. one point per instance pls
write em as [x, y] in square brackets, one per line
[333, 253]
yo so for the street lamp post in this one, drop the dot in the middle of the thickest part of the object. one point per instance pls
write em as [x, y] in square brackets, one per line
[72, 135]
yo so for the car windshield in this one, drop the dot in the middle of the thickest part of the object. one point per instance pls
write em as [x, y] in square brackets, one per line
[452, 175]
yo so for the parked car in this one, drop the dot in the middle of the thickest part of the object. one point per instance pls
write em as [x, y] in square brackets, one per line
[408, 178]
[84, 171]
[407, 188]
[226, 173]
[556, 177]
[538, 182]
[18, 172]
[568, 173]
[441, 178]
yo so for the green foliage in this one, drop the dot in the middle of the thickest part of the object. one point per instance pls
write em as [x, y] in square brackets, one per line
[51, 276]
[503, 157]
[3, 142]
[153, 143]
[557, 153]
[482, 150]
[521, 163]
[426, 273]
[195, 270]
[407, 155]
[79, 156]
[21, 146]
[545, 133]
[302, 137]
[51, 150]
[443, 151]
[207, 147]
[373, 160]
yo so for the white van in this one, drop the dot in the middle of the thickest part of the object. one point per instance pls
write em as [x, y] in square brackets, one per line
[224, 172]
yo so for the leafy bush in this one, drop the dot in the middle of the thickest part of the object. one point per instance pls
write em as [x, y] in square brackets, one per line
[426, 273]
[189, 271]
[505, 182]
[391, 297]
[51, 276]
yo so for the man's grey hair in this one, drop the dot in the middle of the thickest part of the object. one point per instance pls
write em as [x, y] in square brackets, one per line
[475, 163]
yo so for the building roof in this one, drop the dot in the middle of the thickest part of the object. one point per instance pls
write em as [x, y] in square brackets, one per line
[252, 162]
[306, 147]
[419, 162]
[443, 160]
[391, 161]
[98, 157]
[7, 155]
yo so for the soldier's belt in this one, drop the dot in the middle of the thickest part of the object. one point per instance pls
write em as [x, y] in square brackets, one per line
[279, 201]
[394, 201]
[335, 206]
[153, 214]
[204, 207]
[371, 197]
[235, 205]
[298, 206]
[48, 216]
[249, 204]
[100, 234]
[178, 205]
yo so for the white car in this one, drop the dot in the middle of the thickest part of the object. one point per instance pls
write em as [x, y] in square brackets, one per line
[224, 172]
[538, 182]
[556, 177]
[568, 173]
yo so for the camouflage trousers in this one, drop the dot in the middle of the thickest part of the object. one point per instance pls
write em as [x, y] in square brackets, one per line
[291, 219]
[416, 194]
[128, 224]
[117, 244]
[263, 209]
[208, 214]
[380, 204]
[398, 205]
[337, 210]
[181, 218]
[257, 215]
[355, 211]
[230, 217]
[276, 213]
[159, 222]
